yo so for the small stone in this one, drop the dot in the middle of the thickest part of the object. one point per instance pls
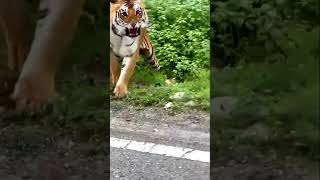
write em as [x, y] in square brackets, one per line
[169, 82]
[257, 133]
[168, 105]
[178, 96]
[222, 107]
[190, 104]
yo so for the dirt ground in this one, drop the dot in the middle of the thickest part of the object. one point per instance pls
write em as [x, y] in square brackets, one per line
[239, 162]
[49, 147]
[262, 167]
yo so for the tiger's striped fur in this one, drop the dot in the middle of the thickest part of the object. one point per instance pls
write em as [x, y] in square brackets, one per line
[146, 49]
[128, 40]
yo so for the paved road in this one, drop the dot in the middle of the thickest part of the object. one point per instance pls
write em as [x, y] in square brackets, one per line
[150, 144]
[132, 165]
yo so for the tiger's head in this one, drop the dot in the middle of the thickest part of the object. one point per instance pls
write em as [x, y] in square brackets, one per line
[130, 17]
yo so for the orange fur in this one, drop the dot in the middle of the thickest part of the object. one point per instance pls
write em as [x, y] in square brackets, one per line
[37, 59]
[118, 77]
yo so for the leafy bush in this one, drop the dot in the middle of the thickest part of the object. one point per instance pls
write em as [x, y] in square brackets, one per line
[256, 30]
[180, 34]
[288, 94]
[307, 10]
[248, 30]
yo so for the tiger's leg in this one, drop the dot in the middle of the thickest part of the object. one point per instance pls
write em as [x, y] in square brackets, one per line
[16, 25]
[114, 69]
[16, 56]
[36, 87]
[147, 50]
[121, 88]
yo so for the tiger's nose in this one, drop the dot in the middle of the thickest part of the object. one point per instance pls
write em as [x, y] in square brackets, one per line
[133, 25]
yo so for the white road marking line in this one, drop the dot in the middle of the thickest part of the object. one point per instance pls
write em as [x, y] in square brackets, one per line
[119, 143]
[169, 150]
[172, 151]
[140, 146]
[198, 156]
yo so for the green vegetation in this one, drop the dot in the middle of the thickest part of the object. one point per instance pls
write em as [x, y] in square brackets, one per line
[151, 90]
[267, 57]
[180, 34]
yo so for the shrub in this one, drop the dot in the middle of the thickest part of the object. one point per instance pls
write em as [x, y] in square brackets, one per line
[248, 30]
[180, 33]
[256, 30]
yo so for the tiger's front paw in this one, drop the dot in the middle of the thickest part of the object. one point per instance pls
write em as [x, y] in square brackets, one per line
[120, 90]
[33, 92]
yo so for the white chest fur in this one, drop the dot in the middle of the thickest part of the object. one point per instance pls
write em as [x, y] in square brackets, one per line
[123, 46]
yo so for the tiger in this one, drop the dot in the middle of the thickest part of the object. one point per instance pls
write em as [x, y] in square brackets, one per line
[128, 40]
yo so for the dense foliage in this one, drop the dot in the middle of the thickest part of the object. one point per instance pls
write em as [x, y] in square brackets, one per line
[256, 30]
[180, 33]
[266, 54]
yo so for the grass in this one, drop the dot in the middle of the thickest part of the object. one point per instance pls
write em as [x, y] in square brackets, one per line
[148, 88]
[183, 56]
[289, 92]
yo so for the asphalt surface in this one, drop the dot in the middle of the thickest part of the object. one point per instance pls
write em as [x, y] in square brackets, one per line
[156, 125]
[133, 165]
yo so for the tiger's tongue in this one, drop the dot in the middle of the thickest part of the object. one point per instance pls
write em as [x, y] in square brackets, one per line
[133, 32]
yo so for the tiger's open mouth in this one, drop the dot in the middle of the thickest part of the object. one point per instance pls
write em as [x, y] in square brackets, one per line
[133, 32]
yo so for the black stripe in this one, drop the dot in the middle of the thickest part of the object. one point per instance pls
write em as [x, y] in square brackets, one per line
[130, 55]
[116, 18]
[130, 44]
[119, 57]
[149, 58]
[114, 30]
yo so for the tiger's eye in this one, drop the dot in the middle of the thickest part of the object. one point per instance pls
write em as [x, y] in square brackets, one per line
[124, 13]
[139, 12]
